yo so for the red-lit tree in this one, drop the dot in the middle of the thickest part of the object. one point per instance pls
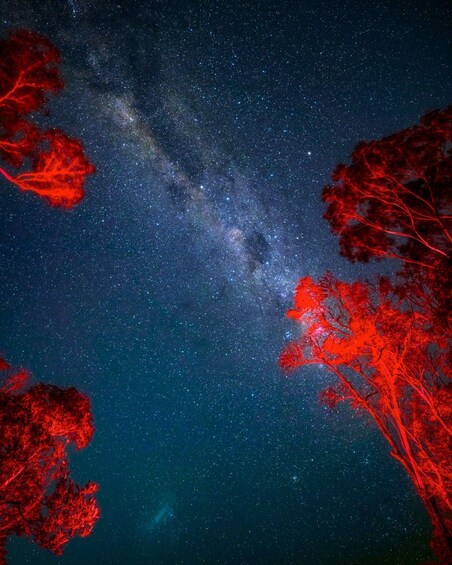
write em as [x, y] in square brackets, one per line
[394, 199]
[28, 72]
[389, 342]
[390, 364]
[38, 499]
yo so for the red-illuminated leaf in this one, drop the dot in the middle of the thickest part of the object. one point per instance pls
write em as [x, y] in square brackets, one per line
[308, 295]
[71, 511]
[389, 342]
[330, 397]
[19, 140]
[291, 357]
[58, 174]
[381, 348]
[28, 71]
[15, 382]
[63, 413]
[38, 500]
[394, 199]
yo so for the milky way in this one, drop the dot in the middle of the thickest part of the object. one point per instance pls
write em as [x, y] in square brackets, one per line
[213, 127]
[252, 233]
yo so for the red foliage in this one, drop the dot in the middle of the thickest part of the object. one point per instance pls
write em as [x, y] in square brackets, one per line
[389, 343]
[58, 174]
[395, 197]
[38, 499]
[28, 72]
[391, 364]
[18, 141]
[331, 396]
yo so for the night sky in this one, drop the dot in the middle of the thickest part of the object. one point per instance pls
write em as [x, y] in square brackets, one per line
[213, 126]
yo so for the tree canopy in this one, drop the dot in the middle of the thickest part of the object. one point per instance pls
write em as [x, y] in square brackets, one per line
[28, 73]
[388, 340]
[38, 499]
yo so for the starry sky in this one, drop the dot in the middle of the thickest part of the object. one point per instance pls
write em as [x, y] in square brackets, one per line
[213, 126]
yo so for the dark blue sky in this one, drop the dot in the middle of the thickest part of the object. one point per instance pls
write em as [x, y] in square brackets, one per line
[213, 127]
